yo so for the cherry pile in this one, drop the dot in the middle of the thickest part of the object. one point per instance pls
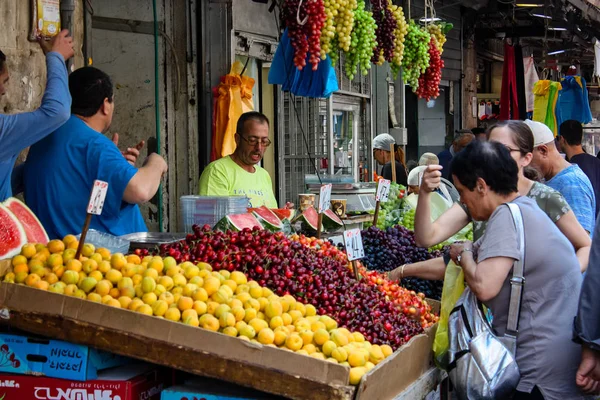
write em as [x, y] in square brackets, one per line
[429, 82]
[304, 22]
[388, 249]
[314, 273]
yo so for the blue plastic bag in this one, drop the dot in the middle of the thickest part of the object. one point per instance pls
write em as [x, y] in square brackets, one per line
[306, 83]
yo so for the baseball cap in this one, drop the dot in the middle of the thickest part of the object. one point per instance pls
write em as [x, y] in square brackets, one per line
[429, 159]
[541, 133]
[413, 176]
[383, 141]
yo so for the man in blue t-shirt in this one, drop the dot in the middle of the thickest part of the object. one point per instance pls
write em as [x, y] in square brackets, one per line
[560, 175]
[571, 136]
[61, 169]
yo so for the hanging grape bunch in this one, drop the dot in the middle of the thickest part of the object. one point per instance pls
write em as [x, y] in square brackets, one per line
[429, 82]
[386, 24]
[363, 41]
[435, 30]
[416, 54]
[304, 21]
[399, 34]
[339, 22]
[328, 33]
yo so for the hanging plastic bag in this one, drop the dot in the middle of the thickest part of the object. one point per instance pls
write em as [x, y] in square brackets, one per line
[233, 98]
[454, 286]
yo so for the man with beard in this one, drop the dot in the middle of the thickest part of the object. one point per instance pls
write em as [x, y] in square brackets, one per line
[61, 169]
[239, 173]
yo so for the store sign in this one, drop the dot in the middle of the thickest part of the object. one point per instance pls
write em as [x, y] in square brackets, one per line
[383, 190]
[354, 244]
[325, 198]
[97, 198]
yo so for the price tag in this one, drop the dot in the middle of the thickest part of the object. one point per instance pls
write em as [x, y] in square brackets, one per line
[325, 198]
[383, 190]
[97, 198]
[354, 244]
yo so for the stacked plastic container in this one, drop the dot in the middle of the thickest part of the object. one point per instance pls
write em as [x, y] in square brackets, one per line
[202, 210]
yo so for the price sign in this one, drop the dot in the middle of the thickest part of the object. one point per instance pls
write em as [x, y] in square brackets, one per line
[97, 198]
[383, 190]
[354, 244]
[325, 198]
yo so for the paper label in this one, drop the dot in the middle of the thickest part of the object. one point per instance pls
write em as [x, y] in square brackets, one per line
[383, 190]
[325, 198]
[97, 198]
[354, 244]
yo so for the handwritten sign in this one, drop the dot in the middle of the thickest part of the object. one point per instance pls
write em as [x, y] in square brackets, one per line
[97, 198]
[354, 244]
[325, 198]
[383, 190]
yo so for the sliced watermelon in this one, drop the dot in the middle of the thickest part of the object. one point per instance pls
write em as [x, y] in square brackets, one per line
[284, 213]
[309, 219]
[12, 234]
[268, 218]
[32, 225]
[331, 222]
[237, 222]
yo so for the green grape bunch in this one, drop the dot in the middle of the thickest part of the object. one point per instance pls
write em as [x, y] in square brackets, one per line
[416, 54]
[435, 30]
[363, 42]
[400, 32]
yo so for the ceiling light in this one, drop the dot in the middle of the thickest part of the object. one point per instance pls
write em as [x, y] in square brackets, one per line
[553, 53]
[435, 19]
[542, 16]
[556, 29]
[529, 5]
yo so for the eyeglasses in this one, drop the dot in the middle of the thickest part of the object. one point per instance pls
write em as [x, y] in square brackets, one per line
[253, 141]
[510, 150]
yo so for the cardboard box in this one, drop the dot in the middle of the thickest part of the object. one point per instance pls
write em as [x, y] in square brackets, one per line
[22, 354]
[131, 382]
[207, 353]
[212, 389]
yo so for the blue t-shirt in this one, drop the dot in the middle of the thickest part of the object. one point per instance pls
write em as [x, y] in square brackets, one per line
[590, 166]
[19, 131]
[577, 189]
[59, 174]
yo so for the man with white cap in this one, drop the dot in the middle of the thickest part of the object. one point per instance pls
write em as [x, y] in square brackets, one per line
[560, 175]
[381, 152]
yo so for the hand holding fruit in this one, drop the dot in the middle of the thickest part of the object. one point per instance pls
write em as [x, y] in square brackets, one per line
[431, 178]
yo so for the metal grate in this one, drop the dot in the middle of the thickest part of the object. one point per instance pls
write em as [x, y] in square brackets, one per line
[361, 84]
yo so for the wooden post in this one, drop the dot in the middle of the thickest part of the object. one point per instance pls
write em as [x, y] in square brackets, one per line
[355, 269]
[393, 154]
[86, 227]
[319, 225]
[376, 215]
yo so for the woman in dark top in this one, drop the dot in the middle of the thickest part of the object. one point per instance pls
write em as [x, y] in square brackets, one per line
[381, 152]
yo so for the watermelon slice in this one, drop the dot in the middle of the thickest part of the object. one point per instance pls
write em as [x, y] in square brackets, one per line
[331, 222]
[32, 225]
[309, 219]
[12, 234]
[284, 213]
[268, 218]
[237, 222]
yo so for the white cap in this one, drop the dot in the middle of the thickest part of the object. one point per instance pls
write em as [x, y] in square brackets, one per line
[413, 176]
[383, 141]
[429, 159]
[541, 133]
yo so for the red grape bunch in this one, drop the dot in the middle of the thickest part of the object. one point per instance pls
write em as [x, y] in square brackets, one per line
[304, 21]
[386, 25]
[399, 33]
[363, 42]
[429, 82]
[416, 54]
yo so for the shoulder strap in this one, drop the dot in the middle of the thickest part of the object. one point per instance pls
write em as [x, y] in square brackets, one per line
[517, 281]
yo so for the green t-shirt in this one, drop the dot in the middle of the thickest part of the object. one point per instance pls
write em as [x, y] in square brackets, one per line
[548, 200]
[224, 177]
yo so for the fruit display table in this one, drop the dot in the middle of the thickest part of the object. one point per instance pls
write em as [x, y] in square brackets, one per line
[207, 353]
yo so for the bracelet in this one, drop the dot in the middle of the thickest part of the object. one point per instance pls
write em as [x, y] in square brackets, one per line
[402, 271]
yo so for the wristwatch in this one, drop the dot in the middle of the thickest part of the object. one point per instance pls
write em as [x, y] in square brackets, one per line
[459, 258]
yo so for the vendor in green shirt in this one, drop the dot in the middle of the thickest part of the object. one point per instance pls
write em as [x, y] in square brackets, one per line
[239, 173]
